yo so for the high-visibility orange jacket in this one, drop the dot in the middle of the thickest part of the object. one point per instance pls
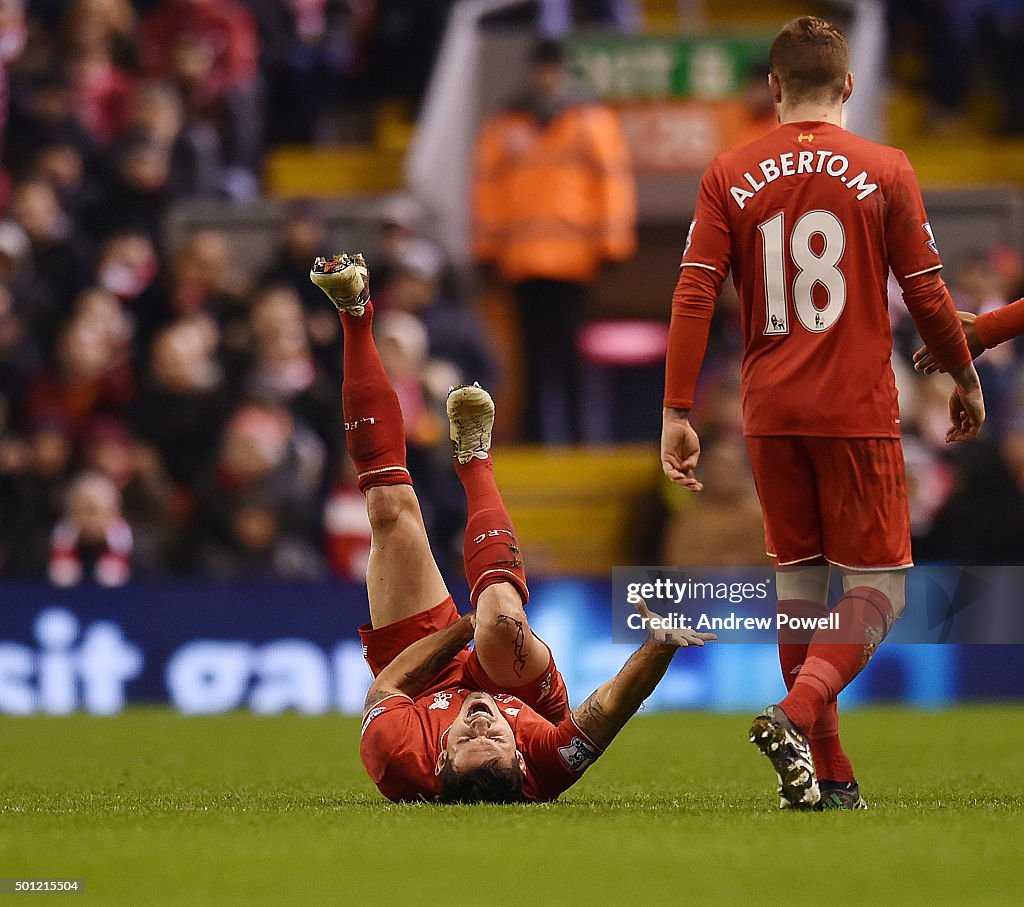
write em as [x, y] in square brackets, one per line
[553, 201]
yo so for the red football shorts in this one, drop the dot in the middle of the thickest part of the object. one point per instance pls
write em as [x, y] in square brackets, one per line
[844, 499]
[546, 694]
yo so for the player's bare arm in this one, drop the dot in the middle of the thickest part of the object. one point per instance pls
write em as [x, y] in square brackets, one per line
[605, 712]
[680, 448]
[412, 670]
[966, 406]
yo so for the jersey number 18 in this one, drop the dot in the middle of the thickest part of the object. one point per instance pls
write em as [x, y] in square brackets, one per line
[813, 268]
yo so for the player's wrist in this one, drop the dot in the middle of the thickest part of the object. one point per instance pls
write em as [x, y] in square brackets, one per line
[676, 414]
[967, 379]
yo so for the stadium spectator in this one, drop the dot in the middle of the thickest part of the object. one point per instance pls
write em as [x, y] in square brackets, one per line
[453, 333]
[206, 282]
[347, 531]
[129, 268]
[62, 167]
[138, 473]
[34, 474]
[184, 402]
[553, 200]
[19, 358]
[58, 255]
[310, 54]
[210, 49]
[93, 542]
[285, 371]
[42, 114]
[303, 236]
[101, 88]
[158, 114]
[92, 374]
[256, 545]
[267, 460]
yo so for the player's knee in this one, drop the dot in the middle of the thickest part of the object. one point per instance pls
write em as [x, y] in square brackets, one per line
[892, 584]
[387, 505]
[500, 612]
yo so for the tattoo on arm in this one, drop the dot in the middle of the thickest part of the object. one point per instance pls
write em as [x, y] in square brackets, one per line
[518, 645]
[592, 718]
[613, 703]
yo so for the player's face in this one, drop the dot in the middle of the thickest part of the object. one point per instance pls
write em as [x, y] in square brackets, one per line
[480, 734]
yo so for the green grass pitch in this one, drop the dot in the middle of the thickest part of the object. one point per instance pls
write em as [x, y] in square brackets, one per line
[153, 808]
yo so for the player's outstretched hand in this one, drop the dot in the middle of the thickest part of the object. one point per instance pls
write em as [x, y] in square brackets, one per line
[925, 362]
[680, 450]
[966, 413]
[681, 638]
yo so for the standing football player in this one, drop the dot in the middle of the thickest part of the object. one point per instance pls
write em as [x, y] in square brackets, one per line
[810, 219]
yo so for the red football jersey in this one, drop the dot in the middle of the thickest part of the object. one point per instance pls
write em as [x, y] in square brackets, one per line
[402, 739]
[810, 219]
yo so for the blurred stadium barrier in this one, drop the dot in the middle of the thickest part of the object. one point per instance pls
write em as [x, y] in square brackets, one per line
[207, 649]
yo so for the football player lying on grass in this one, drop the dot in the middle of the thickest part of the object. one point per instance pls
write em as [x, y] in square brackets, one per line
[445, 721]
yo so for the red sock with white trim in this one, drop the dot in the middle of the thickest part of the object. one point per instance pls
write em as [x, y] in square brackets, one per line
[374, 430]
[832, 662]
[490, 548]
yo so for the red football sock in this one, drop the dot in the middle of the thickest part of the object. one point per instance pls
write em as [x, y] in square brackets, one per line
[490, 548]
[374, 430]
[793, 643]
[865, 614]
[830, 760]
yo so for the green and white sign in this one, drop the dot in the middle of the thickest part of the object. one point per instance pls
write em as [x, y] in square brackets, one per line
[701, 68]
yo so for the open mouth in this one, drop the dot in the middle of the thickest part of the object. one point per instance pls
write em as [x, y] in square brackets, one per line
[478, 708]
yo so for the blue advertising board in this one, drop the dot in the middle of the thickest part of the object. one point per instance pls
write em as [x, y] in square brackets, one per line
[271, 647]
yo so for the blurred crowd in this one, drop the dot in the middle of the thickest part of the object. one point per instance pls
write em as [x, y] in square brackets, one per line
[962, 54]
[180, 417]
[162, 411]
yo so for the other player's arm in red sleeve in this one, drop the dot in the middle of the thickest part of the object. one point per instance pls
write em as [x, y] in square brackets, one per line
[982, 332]
[914, 258]
[414, 667]
[702, 271]
[1001, 325]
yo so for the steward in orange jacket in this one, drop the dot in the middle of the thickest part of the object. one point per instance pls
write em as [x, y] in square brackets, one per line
[553, 199]
[554, 194]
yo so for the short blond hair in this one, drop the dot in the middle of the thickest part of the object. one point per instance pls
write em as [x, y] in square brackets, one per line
[810, 57]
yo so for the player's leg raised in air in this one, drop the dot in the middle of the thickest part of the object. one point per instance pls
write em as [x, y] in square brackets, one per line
[402, 580]
[507, 655]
